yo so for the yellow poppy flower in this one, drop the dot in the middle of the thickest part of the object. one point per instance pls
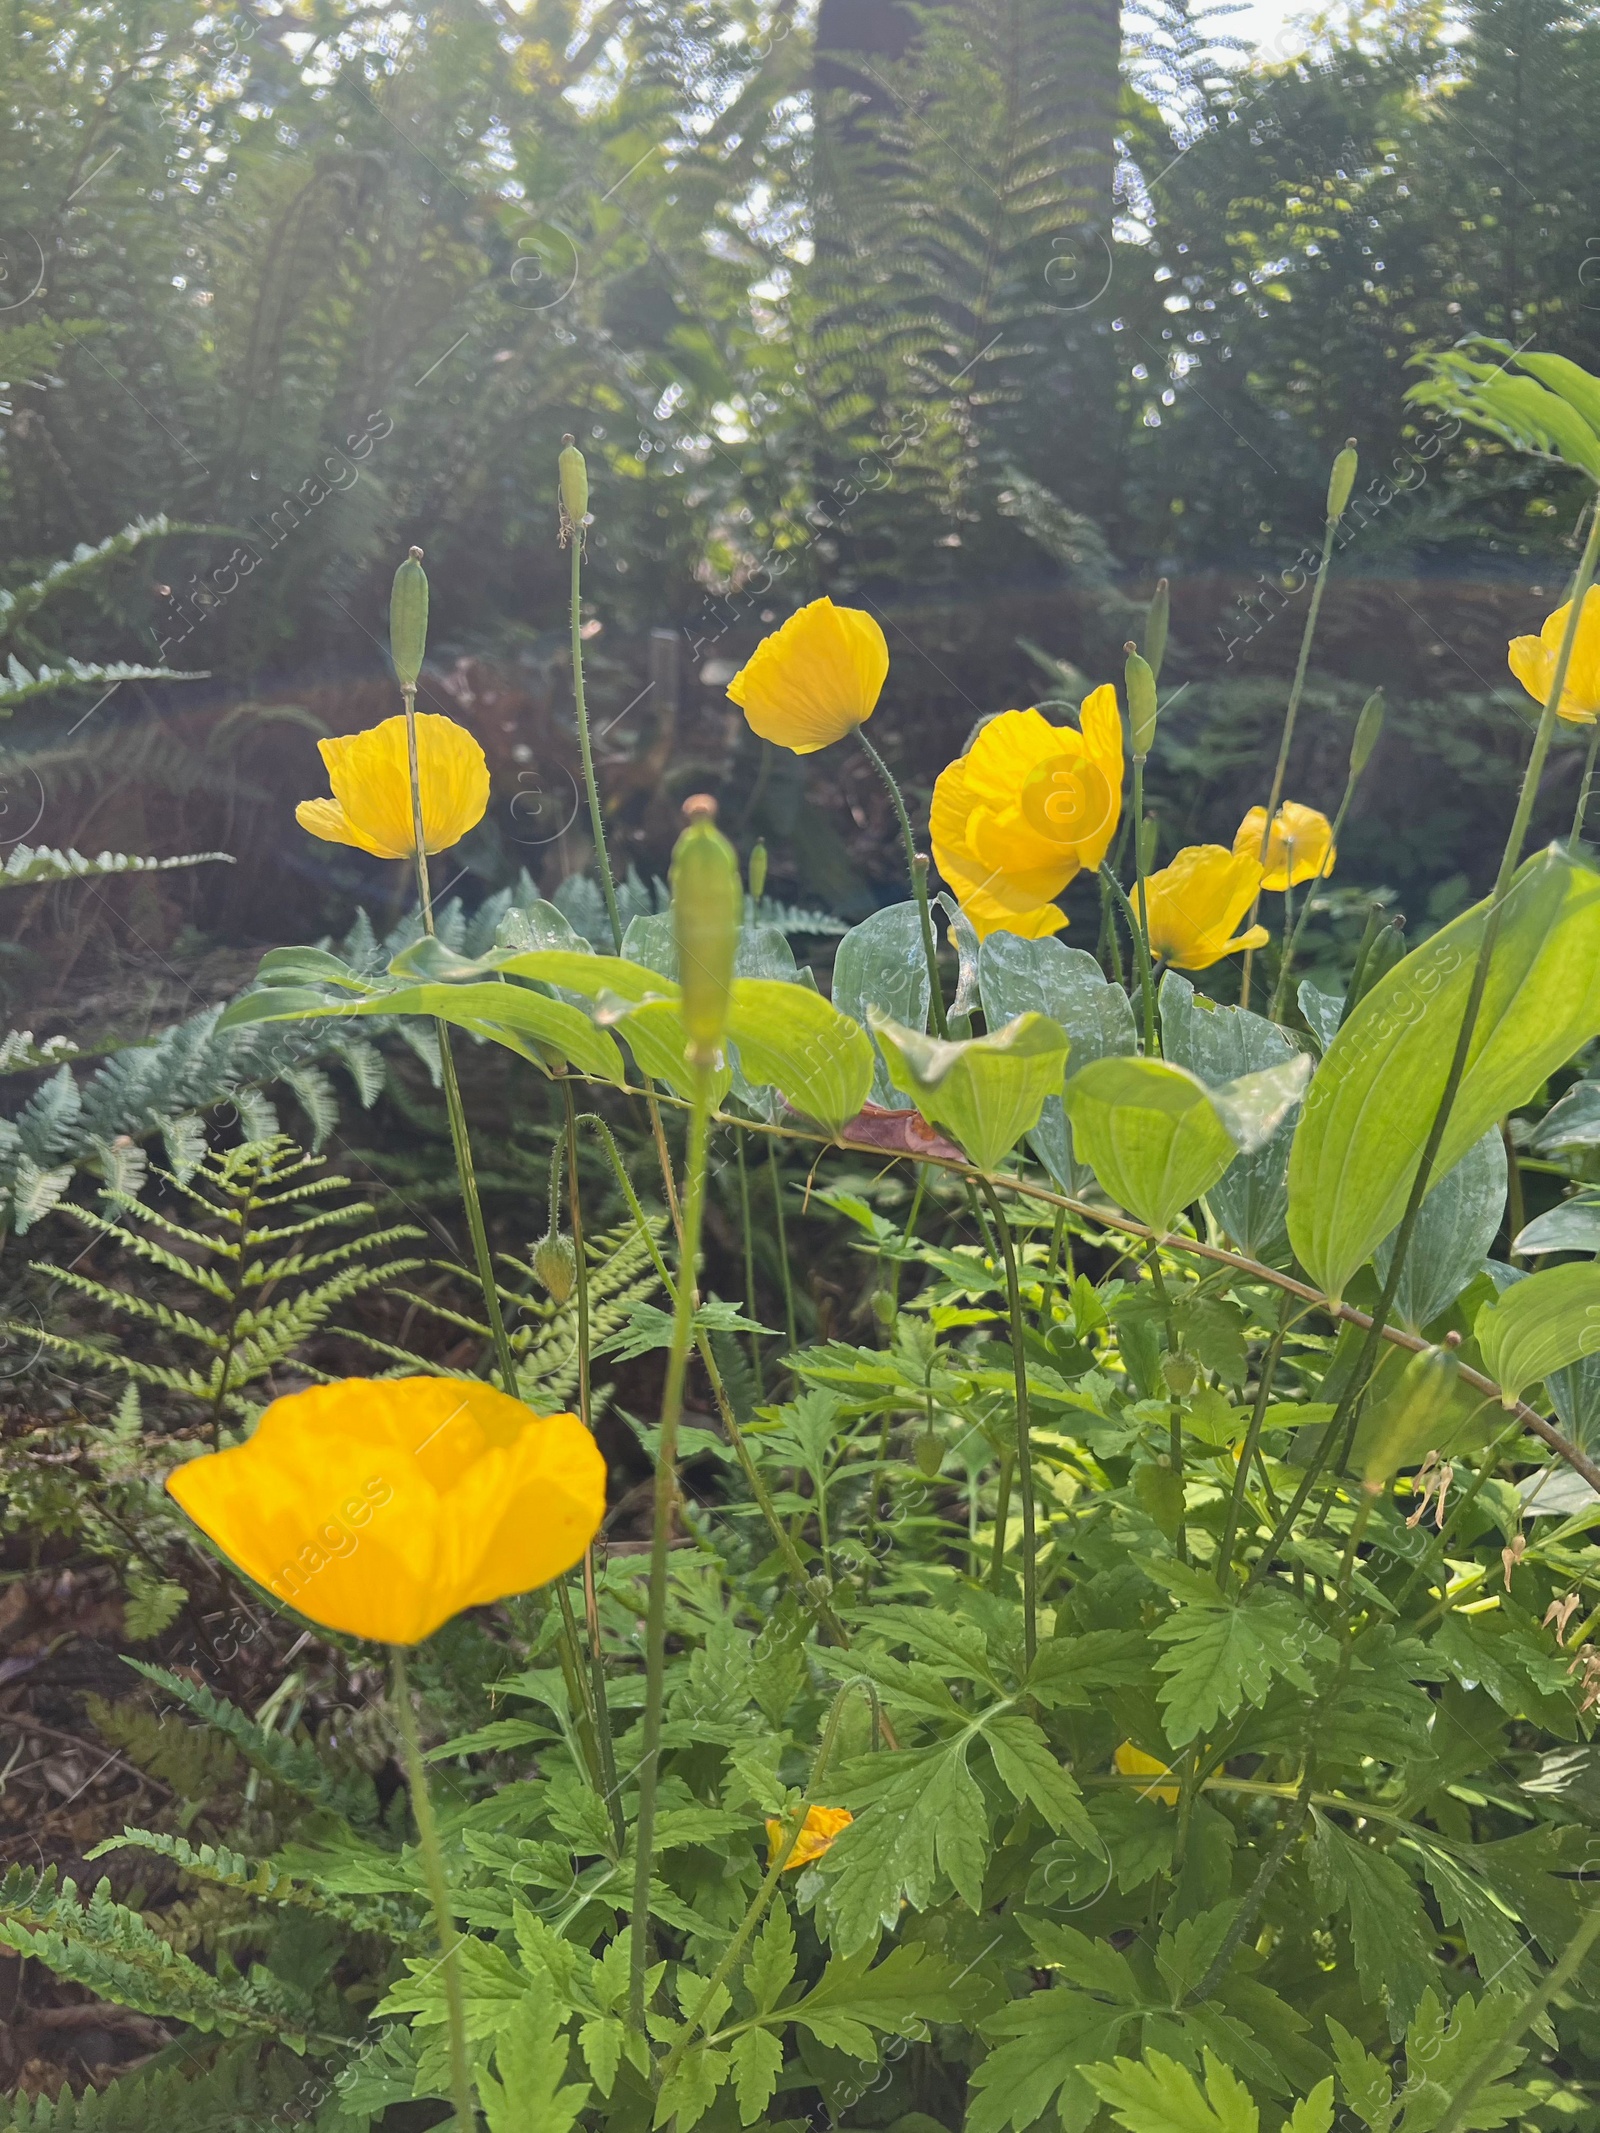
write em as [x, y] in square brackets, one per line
[814, 679]
[1533, 661]
[817, 1832]
[1133, 1762]
[371, 778]
[1195, 903]
[1300, 848]
[1024, 810]
[383, 1506]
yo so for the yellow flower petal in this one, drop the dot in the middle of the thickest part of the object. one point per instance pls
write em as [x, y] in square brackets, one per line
[814, 679]
[383, 1506]
[1301, 846]
[1133, 1762]
[371, 778]
[1533, 661]
[1195, 903]
[1028, 806]
[817, 1832]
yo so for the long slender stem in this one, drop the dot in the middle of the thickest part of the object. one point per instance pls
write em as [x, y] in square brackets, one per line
[919, 883]
[1341, 1428]
[438, 1893]
[591, 1599]
[1330, 528]
[1292, 942]
[597, 821]
[1019, 1368]
[1180, 1539]
[1538, 1999]
[1146, 985]
[666, 1491]
[1581, 811]
[789, 1325]
[749, 1262]
[1141, 949]
[1269, 1370]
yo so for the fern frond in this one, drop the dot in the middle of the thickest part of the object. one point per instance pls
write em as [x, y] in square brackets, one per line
[84, 561]
[258, 1274]
[293, 1764]
[142, 1247]
[237, 2093]
[220, 1867]
[19, 686]
[31, 864]
[131, 1304]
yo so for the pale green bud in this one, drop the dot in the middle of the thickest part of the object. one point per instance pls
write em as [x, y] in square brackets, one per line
[1368, 727]
[408, 619]
[707, 905]
[758, 870]
[574, 473]
[1140, 682]
[556, 1263]
[1342, 480]
[1155, 626]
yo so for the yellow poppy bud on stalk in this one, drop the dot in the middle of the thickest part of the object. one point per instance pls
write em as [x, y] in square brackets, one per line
[1140, 681]
[574, 487]
[1342, 480]
[1368, 727]
[707, 904]
[408, 620]
[1155, 626]
[758, 870]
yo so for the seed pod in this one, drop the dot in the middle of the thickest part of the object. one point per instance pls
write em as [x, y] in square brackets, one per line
[707, 903]
[1368, 727]
[1141, 686]
[1407, 1418]
[1180, 1373]
[929, 1454]
[556, 1264]
[408, 619]
[1342, 480]
[758, 870]
[1149, 830]
[1155, 626]
[574, 474]
[883, 1307]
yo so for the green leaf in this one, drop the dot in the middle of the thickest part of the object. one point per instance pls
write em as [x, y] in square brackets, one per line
[691, 2089]
[1029, 1771]
[882, 964]
[1456, 1225]
[757, 2062]
[1225, 1656]
[1045, 977]
[1540, 1325]
[912, 1986]
[1152, 1134]
[1374, 1097]
[770, 1969]
[791, 1037]
[923, 1815]
[987, 1091]
[1367, 2083]
[532, 2094]
[1220, 1045]
[1389, 1931]
[1157, 2095]
[1040, 2049]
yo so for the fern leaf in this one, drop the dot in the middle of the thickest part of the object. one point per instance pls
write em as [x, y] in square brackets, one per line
[184, 1139]
[19, 686]
[32, 864]
[83, 562]
[220, 1867]
[22, 1053]
[34, 1191]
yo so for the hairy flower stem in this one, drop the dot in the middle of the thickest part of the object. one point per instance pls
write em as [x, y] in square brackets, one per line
[1269, 1370]
[1180, 1539]
[919, 883]
[1340, 1431]
[1141, 949]
[599, 1702]
[666, 1495]
[1296, 687]
[748, 1228]
[1019, 1367]
[789, 1324]
[1146, 983]
[438, 1893]
[597, 820]
[1581, 812]
[1280, 996]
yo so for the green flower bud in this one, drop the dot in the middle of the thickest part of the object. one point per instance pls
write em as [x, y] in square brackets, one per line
[929, 1455]
[1368, 727]
[1141, 686]
[707, 904]
[758, 870]
[1181, 1374]
[1406, 1419]
[1148, 833]
[556, 1264]
[574, 488]
[408, 619]
[1155, 626]
[1342, 480]
[883, 1307]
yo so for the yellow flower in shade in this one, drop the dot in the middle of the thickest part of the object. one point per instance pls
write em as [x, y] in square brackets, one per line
[817, 1832]
[1024, 810]
[1133, 1762]
[814, 679]
[383, 1506]
[1533, 661]
[1195, 903]
[1300, 848]
[371, 778]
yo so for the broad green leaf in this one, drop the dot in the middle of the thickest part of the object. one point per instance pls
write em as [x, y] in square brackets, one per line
[1226, 1653]
[882, 964]
[1574, 1122]
[1039, 2049]
[791, 1037]
[588, 974]
[1152, 1134]
[925, 1813]
[1157, 2095]
[1542, 1324]
[1456, 1225]
[309, 966]
[986, 1091]
[1222, 1044]
[1389, 1931]
[1029, 1770]
[692, 2089]
[1372, 1103]
[1408, 1412]
[1575, 1391]
[1044, 977]
[654, 1033]
[1573, 1226]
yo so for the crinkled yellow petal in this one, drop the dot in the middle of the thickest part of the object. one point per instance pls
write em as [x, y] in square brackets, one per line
[1007, 843]
[813, 679]
[1195, 903]
[382, 1507]
[1533, 661]
[1102, 738]
[817, 1832]
[370, 774]
[1300, 848]
[1006, 749]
